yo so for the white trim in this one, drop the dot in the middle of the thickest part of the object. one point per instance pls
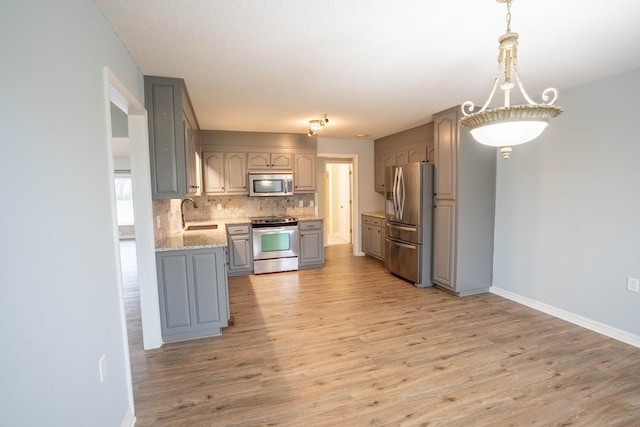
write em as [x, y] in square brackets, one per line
[592, 325]
[129, 419]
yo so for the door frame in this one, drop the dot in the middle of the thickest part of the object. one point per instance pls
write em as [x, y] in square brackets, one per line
[355, 207]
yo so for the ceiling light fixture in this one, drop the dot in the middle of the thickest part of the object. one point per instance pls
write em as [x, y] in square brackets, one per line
[512, 124]
[316, 125]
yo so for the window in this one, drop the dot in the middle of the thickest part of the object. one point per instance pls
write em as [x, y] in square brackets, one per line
[124, 198]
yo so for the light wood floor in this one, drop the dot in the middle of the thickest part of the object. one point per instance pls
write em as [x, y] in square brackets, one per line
[350, 345]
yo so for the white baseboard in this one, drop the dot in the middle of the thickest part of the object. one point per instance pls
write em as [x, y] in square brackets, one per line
[129, 419]
[592, 325]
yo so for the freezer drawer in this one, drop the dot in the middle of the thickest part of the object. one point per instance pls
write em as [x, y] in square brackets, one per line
[404, 232]
[404, 259]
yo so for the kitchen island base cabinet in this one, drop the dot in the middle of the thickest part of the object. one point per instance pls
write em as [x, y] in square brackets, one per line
[192, 288]
[311, 244]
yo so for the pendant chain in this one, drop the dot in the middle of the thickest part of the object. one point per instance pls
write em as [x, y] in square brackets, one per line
[508, 16]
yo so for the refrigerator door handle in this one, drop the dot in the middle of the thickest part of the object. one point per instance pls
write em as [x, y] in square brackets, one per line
[402, 227]
[395, 193]
[401, 193]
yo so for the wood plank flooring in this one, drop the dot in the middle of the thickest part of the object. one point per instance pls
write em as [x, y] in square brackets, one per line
[350, 345]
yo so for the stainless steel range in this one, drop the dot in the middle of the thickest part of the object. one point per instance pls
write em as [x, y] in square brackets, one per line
[275, 244]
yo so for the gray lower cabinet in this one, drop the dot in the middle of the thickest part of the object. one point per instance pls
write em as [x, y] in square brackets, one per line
[311, 244]
[240, 249]
[192, 288]
[373, 236]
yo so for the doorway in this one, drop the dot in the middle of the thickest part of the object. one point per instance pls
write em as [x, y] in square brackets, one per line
[338, 201]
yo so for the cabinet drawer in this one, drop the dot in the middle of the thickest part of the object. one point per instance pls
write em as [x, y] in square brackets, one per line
[366, 219]
[310, 225]
[377, 221]
[237, 229]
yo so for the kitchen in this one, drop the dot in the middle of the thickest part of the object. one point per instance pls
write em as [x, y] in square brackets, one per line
[552, 247]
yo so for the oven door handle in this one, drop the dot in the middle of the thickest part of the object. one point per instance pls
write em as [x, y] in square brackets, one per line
[274, 229]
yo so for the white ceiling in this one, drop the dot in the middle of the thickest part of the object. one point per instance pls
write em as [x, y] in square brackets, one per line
[374, 66]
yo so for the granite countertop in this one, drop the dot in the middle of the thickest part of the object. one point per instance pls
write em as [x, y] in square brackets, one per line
[200, 239]
[203, 239]
[380, 215]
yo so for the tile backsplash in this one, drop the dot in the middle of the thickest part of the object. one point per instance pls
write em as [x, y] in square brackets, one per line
[166, 213]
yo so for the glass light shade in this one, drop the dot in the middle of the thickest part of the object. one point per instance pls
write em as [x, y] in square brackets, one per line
[507, 126]
[315, 124]
[508, 133]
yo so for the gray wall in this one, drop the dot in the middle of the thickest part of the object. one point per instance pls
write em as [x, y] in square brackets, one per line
[568, 207]
[119, 122]
[59, 291]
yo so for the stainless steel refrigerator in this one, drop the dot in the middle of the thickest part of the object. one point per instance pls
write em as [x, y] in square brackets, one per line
[409, 215]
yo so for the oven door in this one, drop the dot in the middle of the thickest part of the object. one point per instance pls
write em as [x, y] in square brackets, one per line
[275, 242]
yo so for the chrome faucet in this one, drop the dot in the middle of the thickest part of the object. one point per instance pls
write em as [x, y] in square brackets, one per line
[195, 205]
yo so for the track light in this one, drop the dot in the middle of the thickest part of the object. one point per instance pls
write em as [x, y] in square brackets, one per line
[316, 125]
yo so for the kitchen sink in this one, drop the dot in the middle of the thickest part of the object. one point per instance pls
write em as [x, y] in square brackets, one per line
[195, 227]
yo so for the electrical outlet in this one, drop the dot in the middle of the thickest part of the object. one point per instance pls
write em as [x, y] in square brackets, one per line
[102, 367]
[158, 221]
[219, 206]
[311, 204]
[301, 203]
[633, 284]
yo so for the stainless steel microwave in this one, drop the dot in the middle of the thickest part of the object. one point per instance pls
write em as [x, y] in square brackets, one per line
[271, 183]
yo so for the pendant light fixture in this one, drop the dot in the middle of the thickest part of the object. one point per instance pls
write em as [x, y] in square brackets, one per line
[512, 124]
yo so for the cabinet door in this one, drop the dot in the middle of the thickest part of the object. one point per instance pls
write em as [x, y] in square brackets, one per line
[240, 253]
[402, 158]
[366, 237]
[174, 292]
[236, 173]
[311, 247]
[446, 161]
[213, 164]
[282, 161]
[418, 155]
[166, 138]
[304, 172]
[379, 173]
[259, 161]
[377, 241]
[192, 159]
[444, 243]
[209, 290]
[390, 160]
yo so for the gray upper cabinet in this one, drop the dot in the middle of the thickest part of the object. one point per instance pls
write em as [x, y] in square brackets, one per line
[379, 173]
[464, 208]
[446, 144]
[235, 176]
[304, 172]
[213, 172]
[192, 288]
[408, 146]
[224, 173]
[173, 138]
[265, 161]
